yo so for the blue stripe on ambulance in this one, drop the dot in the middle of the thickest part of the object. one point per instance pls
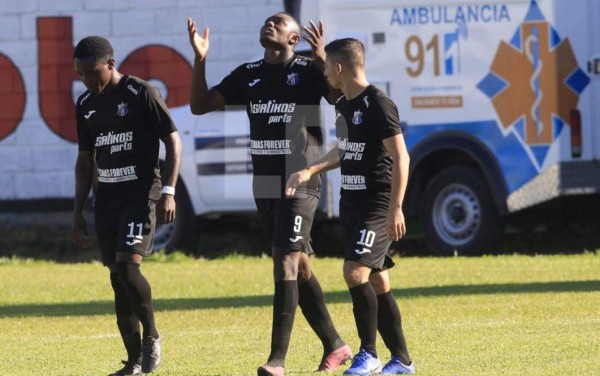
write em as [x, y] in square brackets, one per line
[513, 159]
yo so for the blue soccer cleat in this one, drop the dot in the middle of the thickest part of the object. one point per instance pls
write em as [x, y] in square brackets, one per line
[396, 367]
[364, 364]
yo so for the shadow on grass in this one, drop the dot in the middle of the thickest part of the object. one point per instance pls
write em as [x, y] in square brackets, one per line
[106, 307]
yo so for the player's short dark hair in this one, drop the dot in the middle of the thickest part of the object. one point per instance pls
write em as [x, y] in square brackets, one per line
[93, 46]
[296, 22]
[350, 51]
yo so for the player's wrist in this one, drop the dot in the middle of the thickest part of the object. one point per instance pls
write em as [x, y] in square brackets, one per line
[168, 190]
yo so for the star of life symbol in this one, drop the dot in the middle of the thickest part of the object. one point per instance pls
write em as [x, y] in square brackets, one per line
[540, 69]
[357, 118]
[122, 109]
[292, 79]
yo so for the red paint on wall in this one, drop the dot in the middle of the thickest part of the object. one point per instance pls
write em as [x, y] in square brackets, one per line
[12, 96]
[165, 64]
[56, 75]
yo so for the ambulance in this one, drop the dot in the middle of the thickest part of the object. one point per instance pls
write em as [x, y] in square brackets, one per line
[501, 105]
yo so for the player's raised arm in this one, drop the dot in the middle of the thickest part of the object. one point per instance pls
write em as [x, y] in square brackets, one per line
[396, 148]
[202, 100]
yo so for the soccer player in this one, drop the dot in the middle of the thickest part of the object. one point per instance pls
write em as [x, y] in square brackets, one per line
[281, 93]
[374, 164]
[120, 121]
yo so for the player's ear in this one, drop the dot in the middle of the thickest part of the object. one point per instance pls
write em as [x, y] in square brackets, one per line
[339, 68]
[111, 63]
[294, 39]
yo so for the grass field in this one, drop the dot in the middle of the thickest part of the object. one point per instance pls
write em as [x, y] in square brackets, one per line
[506, 315]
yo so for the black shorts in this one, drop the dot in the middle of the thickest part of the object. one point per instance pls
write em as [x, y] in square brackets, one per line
[367, 241]
[287, 221]
[125, 226]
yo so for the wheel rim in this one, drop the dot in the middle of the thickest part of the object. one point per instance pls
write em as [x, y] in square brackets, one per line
[163, 235]
[456, 214]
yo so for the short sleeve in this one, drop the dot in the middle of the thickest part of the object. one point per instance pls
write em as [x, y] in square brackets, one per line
[385, 114]
[84, 139]
[319, 79]
[230, 88]
[158, 114]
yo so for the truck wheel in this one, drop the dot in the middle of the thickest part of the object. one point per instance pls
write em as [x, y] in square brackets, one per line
[179, 234]
[459, 214]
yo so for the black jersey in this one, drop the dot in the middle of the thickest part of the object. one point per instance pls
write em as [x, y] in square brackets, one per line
[282, 102]
[361, 125]
[123, 126]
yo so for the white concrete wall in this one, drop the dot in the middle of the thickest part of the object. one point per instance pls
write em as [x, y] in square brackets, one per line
[34, 161]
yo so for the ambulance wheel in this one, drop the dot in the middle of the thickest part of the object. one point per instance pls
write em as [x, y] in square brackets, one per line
[458, 214]
[178, 235]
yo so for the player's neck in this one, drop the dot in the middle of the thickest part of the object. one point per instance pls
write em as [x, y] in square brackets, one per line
[114, 81]
[354, 86]
[278, 56]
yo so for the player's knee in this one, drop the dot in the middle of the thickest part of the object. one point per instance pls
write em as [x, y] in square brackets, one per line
[354, 274]
[285, 268]
[379, 285]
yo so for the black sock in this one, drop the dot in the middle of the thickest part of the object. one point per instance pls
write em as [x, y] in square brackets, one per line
[139, 294]
[389, 324]
[364, 306]
[312, 302]
[285, 302]
[127, 321]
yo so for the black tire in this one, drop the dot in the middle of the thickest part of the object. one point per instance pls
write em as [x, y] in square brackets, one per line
[458, 213]
[178, 235]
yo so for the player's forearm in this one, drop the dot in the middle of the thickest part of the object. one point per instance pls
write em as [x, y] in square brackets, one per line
[199, 88]
[330, 161]
[400, 169]
[172, 158]
[84, 176]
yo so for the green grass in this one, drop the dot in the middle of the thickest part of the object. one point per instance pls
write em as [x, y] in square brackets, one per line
[506, 315]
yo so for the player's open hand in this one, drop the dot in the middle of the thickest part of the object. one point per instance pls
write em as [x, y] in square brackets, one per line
[79, 232]
[295, 180]
[314, 37]
[199, 43]
[396, 227]
[165, 211]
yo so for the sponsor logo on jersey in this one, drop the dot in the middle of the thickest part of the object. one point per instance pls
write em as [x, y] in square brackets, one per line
[122, 109]
[301, 62]
[132, 89]
[292, 79]
[270, 147]
[357, 118]
[118, 141]
[271, 107]
[116, 175]
[353, 182]
[254, 82]
[90, 113]
[353, 150]
[253, 65]
[84, 98]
